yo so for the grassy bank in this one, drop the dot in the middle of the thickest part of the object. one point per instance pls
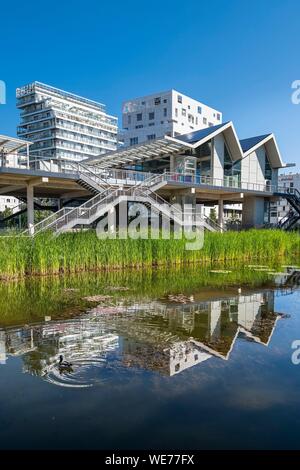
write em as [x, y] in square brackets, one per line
[83, 251]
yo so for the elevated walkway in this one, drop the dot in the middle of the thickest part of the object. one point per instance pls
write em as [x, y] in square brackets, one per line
[101, 189]
[107, 199]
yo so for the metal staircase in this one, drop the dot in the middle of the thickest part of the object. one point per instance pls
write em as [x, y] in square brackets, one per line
[88, 179]
[292, 195]
[108, 197]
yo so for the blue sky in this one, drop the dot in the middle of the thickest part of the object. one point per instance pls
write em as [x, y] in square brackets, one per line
[238, 56]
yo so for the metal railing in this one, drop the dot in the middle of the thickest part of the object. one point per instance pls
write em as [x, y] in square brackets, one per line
[129, 177]
[94, 207]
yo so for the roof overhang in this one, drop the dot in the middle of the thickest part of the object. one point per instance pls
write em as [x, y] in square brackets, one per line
[137, 153]
[166, 146]
[12, 144]
[272, 151]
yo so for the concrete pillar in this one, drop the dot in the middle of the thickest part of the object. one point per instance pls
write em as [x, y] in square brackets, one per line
[221, 213]
[253, 212]
[172, 163]
[30, 209]
[27, 154]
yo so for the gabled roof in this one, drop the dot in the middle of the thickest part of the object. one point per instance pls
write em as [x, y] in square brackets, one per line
[196, 136]
[167, 145]
[268, 140]
[251, 142]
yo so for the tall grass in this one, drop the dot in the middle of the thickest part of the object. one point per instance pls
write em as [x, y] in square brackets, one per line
[83, 251]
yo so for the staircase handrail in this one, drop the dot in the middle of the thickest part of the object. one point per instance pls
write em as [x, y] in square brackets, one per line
[87, 172]
[180, 214]
[48, 221]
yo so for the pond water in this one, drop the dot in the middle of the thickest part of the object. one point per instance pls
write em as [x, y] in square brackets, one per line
[193, 358]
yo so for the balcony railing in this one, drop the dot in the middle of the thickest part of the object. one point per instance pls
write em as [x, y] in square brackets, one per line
[130, 177]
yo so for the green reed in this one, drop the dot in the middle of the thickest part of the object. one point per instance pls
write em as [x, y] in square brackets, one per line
[83, 251]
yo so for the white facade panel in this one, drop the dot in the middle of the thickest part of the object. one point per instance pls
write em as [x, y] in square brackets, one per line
[167, 113]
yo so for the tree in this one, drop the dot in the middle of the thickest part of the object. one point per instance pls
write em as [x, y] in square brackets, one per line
[213, 214]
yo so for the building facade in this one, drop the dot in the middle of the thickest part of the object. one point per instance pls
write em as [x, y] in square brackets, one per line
[63, 125]
[11, 203]
[9, 148]
[168, 113]
[280, 209]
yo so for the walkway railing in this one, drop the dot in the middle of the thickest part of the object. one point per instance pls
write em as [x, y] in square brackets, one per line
[119, 177]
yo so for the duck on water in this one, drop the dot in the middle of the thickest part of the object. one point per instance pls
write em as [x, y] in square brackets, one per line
[64, 365]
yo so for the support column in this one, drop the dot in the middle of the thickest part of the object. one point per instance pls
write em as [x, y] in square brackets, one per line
[27, 155]
[221, 213]
[253, 212]
[30, 209]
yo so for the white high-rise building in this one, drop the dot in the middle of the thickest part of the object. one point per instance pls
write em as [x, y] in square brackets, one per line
[64, 125]
[168, 113]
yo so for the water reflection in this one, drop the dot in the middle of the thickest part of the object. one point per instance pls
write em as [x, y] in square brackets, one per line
[167, 336]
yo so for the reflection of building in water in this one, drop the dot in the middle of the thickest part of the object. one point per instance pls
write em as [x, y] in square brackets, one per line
[161, 336]
[175, 338]
[79, 339]
[169, 361]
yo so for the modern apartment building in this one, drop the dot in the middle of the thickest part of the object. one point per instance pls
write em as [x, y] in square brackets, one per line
[64, 125]
[280, 209]
[169, 113]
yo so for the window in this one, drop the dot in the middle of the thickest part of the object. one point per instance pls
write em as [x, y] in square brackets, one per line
[176, 112]
[134, 140]
[219, 116]
[268, 169]
[183, 112]
[139, 126]
[129, 119]
[204, 121]
[189, 107]
[143, 103]
[210, 124]
[196, 121]
[161, 122]
[139, 116]
[232, 169]
[191, 118]
[151, 137]
[179, 99]
[157, 101]
[199, 109]
[151, 115]
[165, 112]
[165, 100]
[151, 124]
